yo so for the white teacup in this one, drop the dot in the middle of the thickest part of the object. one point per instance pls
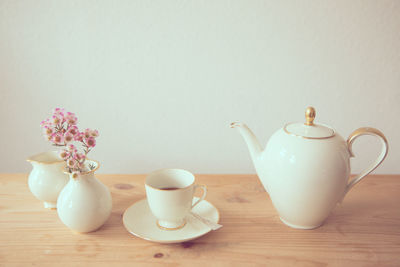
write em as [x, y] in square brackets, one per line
[170, 194]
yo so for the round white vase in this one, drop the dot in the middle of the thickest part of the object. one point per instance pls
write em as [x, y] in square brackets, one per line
[85, 203]
[47, 177]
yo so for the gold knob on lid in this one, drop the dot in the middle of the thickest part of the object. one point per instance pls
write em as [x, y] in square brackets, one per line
[310, 116]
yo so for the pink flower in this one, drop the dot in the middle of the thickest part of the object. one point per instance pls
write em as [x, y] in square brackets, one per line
[47, 130]
[57, 119]
[58, 139]
[71, 163]
[91, 133]
[79, 137]
[70, 118]
[58, 110]
[87, 133]
[64, 154]
[72, 148]
[61, 129]
[45, 123]
[68, 137]
[94, 133]
[91, 142]
[58, 115]
[73, 130]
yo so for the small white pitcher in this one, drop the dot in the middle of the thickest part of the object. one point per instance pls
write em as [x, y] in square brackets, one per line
[85, 203]
[47, 178]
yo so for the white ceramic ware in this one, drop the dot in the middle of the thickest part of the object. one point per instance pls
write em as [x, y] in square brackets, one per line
[47, 178]
[85, 203]
[139, 221]
[305, 168]
[171, 206]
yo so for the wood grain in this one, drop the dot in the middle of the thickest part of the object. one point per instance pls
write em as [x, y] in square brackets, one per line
[363, 231]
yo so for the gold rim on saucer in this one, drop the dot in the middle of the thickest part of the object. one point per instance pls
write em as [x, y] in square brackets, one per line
[171, 240]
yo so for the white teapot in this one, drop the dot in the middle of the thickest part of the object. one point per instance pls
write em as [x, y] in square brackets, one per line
[305, 168]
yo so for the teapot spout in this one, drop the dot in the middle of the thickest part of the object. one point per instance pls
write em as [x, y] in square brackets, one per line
[250, 139]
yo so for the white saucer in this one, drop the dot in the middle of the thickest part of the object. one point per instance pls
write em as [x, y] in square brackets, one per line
[139, 221]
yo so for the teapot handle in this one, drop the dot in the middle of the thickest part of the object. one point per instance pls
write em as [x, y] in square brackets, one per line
[382, 156]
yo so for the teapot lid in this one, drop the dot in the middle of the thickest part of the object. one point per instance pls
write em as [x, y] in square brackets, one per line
[309, 129]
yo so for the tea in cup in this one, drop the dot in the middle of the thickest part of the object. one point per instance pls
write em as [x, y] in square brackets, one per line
[170, 195]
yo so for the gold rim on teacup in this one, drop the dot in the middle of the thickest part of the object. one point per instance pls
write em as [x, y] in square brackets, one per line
[171, 229]
[165, 190]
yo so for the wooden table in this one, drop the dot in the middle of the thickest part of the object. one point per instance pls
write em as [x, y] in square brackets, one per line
[363, 231]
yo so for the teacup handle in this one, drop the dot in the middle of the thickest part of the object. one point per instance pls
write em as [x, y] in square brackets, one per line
[204, 193]
[382, 156]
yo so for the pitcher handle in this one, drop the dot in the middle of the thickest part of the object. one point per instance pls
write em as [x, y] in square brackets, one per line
[378, 161]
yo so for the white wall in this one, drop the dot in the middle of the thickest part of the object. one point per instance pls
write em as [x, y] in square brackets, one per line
[162, 80]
